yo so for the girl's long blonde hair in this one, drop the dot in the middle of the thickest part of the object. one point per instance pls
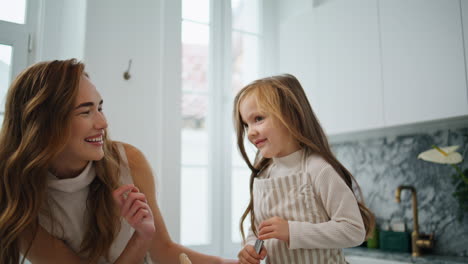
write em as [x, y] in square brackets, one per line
[284, 98]
[35, 130]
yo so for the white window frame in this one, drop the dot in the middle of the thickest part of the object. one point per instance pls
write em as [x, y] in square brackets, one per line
[169, 154]
[220, 122]
[20, 37]
[218, 76]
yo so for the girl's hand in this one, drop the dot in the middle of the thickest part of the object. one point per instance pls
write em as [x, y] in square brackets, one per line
[135, 209]
[274, 227]
[248, 255]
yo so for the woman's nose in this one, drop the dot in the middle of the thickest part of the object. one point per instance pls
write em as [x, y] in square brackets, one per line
[101, 122]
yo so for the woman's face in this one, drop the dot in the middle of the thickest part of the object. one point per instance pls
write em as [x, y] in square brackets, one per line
[87, 127]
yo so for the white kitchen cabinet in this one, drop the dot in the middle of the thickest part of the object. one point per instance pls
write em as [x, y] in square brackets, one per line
[350, 79]
[334, 51]
[424, 75]
[298, 52]
[378, 63]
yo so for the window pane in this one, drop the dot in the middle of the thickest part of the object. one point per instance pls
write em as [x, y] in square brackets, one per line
[195, 44]
[194, 144]
[13, 10]
[195, 210]
[195, 187]
[245, 65]
[196, 10]
[240, 200]
[240, 187]
[245, 69]
[5, 71]
[237, 160]
[245, 15]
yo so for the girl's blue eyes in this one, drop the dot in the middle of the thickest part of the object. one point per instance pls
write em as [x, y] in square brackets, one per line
[256, 119]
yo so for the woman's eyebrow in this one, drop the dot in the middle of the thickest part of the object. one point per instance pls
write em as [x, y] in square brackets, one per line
[88, 104]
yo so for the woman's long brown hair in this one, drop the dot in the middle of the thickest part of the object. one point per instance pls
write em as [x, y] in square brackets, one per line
[284, 98]
[35, 130]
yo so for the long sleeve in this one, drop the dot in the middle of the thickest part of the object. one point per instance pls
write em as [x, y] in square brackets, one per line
[251, 238]
[345, 227]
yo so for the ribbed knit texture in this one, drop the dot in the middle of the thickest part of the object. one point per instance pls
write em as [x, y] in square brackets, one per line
[67, 198]
[322, 212]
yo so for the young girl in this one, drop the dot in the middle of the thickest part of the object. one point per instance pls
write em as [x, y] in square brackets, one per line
[68, 194]
[302, 201]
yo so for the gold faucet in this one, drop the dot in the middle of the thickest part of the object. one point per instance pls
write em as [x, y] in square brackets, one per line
[418, 241]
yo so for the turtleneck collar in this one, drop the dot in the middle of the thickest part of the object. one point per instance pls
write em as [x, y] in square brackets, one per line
[289, 161]
[72, 184]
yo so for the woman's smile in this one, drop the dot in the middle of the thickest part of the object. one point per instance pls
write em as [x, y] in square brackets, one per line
[95, 140]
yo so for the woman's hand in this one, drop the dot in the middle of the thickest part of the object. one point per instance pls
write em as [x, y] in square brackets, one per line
[248, 255]
[135, 209]
[229, 261]
[274, 227]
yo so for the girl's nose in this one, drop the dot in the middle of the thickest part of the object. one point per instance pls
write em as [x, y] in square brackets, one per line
[251, 132]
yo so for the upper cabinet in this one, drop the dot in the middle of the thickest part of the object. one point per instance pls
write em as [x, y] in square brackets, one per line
[372, 64]
[350, 79]
[298, 52]
[333, 49]
[423, 63]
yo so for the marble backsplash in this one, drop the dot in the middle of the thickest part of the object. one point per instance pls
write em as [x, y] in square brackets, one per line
[380, 165]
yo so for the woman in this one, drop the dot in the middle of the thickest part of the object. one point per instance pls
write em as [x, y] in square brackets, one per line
[68, 194]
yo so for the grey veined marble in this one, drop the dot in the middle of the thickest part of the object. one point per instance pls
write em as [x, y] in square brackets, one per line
[380, 165]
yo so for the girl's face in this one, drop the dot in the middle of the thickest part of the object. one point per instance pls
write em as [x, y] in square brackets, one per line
[265, 131]
[87, 127]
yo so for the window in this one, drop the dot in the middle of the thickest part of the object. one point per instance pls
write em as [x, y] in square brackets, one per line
[14, 37]
[16, 25]
[195, 196]
[245, 68]
[13, 11]
[5, 69]
[220, 54]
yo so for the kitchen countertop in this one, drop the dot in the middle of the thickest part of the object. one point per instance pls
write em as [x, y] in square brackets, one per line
[406, 257]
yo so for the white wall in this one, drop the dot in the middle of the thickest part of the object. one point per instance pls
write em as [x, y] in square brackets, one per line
[270, 44]
[291, 8]
[62, 29]
[116, 33]
[145, 110]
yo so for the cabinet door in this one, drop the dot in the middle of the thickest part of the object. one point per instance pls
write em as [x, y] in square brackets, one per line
[334, 51]
[298, 52]
[423, 60]
[350, 80]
